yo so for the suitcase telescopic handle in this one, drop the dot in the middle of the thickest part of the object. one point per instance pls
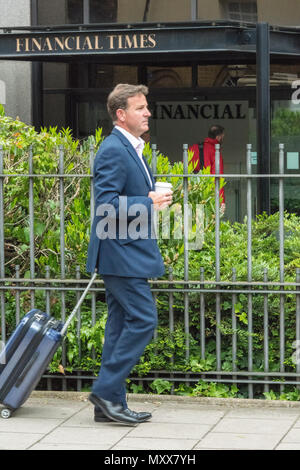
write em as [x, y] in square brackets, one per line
[74, 311]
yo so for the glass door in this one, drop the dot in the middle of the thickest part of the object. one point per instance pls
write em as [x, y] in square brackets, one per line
[90, 113]
[174, 123]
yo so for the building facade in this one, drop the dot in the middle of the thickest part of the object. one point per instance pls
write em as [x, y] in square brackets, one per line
[205, 62]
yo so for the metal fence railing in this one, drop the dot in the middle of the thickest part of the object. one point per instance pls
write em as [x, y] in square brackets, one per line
[217, 289]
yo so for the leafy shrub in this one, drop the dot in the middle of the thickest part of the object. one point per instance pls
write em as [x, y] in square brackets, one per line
[168, 350]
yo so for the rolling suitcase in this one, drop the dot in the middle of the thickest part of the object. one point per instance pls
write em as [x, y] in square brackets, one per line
[28, 353]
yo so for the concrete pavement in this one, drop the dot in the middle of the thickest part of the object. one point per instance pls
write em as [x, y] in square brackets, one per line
[64, 421]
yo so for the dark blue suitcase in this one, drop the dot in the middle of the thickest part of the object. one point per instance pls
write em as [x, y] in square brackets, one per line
[27, 354]
[25, 358]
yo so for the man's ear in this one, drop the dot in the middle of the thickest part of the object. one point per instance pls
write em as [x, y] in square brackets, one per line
[120, 113]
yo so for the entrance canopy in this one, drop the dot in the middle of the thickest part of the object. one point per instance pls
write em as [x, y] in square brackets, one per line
[219, 41]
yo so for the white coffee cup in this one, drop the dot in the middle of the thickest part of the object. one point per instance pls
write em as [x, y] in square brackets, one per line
[162, 187]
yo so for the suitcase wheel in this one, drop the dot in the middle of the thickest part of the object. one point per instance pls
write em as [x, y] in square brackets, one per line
[6, 413]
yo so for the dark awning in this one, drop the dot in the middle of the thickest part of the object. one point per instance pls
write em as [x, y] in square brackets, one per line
[218, 41]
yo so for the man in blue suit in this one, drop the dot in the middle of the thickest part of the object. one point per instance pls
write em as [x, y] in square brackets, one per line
[123, 249]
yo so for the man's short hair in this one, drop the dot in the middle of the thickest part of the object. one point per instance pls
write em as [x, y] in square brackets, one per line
[117, 99]
[215, 130]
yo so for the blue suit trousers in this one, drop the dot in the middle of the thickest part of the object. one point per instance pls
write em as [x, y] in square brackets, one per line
[132, 318]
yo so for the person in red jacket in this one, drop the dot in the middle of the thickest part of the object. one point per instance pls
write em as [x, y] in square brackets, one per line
[215, 136]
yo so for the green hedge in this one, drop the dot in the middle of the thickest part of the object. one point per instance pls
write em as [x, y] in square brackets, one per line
[16, 139]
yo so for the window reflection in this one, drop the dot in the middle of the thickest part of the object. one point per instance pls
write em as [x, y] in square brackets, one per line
[60, 12]
[101, 75]
[159, 11]
[75, 11]
[242, 75]
[104, 11]
[241, 11]
[169, 77]
[153, 10]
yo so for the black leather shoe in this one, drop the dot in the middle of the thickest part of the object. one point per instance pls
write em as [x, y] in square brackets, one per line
[100, 417]
[113, 411]
[140, 416]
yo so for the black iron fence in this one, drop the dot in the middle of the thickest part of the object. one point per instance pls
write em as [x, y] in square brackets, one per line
[189, 289]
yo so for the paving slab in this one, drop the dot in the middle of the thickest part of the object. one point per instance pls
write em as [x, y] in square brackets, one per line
[186, 414]
[18, 441]
[264, 412]
[292, 436]
[66, 446]
[288, 446]
[65, 421]
[101, 438]
[238, 441]
[49, 408]
[29, 425]
[142, 443]
[297, 423]
[253, 426]
[170, 430]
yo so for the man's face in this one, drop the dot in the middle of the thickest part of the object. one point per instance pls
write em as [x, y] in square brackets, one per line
[135, 117]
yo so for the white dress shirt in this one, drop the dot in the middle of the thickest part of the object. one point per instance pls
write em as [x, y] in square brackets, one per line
[138, 144]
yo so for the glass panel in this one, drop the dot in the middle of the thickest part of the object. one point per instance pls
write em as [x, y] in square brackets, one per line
[101, 76]
[249, 8]
[169, 77]
[91, 115]
[60, 12]
[175, 123]
[75, 12]
[153, 10]
[245, 75]
[279, 13]
[55, 75]
[240, 11]
[233, 7]
[285, 130]
[285, 73]
[54, 110]
[104, 11]
[113, 11]
[107, 76]
[134, 11]
[275, 12]
[243, 11]
[225, 75]
[210, 75]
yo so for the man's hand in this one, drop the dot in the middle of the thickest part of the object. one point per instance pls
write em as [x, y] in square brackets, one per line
[161, 200]
[222, 208]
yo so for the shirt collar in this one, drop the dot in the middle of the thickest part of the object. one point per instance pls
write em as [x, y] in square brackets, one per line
[135, 141]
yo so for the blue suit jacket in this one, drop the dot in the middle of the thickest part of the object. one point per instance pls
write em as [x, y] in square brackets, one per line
[116, 246]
